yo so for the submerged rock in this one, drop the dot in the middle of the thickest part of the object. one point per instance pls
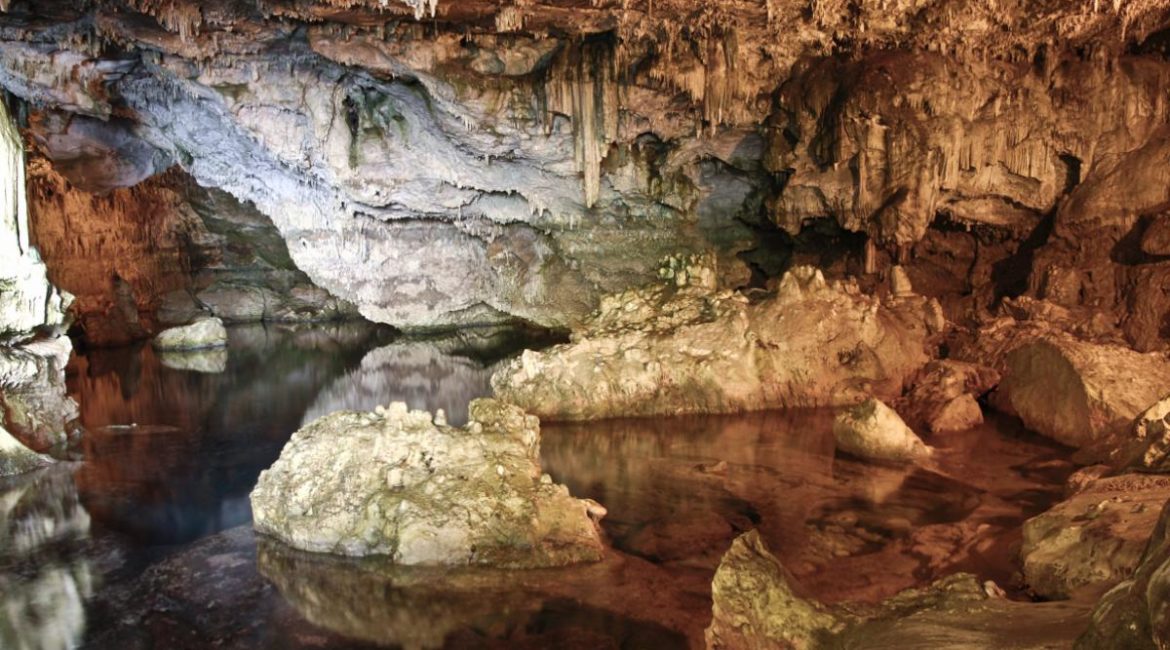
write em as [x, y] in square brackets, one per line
[1136, 613]
[1082, 394]
[15, 458]
[398, 484]
[1095, 538]
[873, 430]
[672, 350]
[203, 333]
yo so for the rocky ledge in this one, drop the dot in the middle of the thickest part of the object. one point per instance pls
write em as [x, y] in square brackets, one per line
[404, 485]
[684, 347]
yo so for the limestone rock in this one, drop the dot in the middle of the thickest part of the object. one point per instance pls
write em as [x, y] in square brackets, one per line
[394, 483]
[1094, 538]
[943, 397]
[1136, 613]
[873, 430]
[1156, 238]
[27, 300]
[756, 607]
[15, 458]
[1080, 393]
[1149, 448]
[202, 334]
[669, 350]
[34, 403]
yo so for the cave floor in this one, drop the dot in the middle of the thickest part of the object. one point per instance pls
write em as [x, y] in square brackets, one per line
[166, 557]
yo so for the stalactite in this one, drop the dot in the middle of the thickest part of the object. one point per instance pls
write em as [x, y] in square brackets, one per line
[582, 84]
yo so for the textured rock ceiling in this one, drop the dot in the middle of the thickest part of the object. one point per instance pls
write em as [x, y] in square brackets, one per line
[441, 163]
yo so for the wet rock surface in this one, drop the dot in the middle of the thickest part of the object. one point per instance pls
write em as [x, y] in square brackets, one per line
[756, 606]
[1136, 613]
[1094, 539]
[405, 485]
[873, 430]
[687, 348]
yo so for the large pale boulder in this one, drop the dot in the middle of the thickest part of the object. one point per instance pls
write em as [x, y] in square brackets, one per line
[1095, 538]
[202, 334]
[1136, 613]
[687, 348]
[873, 430]
[34, 404]
[1082, 394]
[400, 484]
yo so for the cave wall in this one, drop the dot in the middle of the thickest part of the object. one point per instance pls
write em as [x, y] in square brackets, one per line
[162, 252]
[500, 162]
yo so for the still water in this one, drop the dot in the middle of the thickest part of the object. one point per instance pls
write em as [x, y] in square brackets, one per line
[144, 540]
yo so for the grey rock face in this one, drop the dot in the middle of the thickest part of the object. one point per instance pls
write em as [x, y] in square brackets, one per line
[403, 484]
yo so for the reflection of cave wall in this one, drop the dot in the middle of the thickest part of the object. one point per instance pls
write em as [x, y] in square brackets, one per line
[162, 252]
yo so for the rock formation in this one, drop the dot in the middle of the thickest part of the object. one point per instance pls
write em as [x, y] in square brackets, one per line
[671, 349]
[756, 606]
[1092, 387]
[202, 334]
[1095, 538]
[873, 430]
[33, 352]
[1136, 613]
[399, 484]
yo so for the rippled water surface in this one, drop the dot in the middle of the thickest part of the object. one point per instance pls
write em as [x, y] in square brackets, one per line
[144, 541]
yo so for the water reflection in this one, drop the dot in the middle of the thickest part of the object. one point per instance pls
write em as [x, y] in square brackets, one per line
[171, 454]
[679, 490]
[426, 608]
[44, 575]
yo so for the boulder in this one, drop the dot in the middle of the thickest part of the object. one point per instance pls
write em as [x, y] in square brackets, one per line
[15, 458]
[203, 333]
[873, 430]
[1149, 447]
[34, 404]
[1136, 613]
[755, 604]
[943, 397]
[395, 483]
[667, 349]
[1082, 394]
[1095, 538]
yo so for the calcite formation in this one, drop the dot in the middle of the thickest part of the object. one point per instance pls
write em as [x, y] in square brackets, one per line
[671, 349]
[397, 483]
[503, 161]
